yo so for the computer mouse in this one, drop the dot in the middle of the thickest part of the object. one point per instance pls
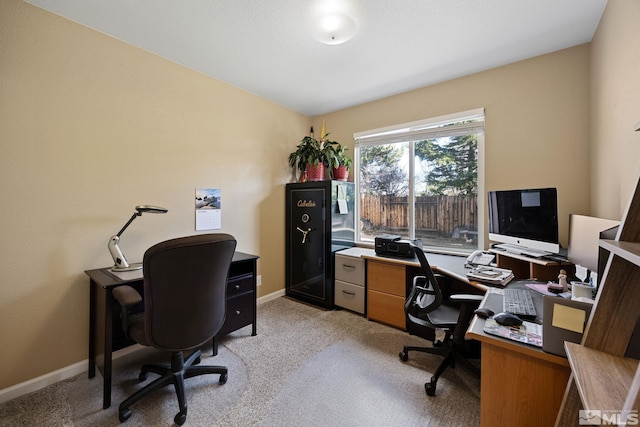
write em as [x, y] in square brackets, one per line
[484, 312]
[507, 319]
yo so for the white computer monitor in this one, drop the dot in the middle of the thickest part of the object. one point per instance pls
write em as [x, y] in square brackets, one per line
[584, 235]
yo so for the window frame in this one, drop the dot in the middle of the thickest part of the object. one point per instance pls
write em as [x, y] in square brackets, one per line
[420, 130]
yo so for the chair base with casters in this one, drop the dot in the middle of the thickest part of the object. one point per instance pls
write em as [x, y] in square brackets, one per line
[451, 355]
[175, 374]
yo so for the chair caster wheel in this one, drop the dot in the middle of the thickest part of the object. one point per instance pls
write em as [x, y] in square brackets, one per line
[180, 418]
[404, 356]
[124, 415]
[197, 361]
[223, 378]
[430, 388]
[142, 376]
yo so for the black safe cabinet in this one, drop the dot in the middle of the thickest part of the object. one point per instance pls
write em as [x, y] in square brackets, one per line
[319, 222]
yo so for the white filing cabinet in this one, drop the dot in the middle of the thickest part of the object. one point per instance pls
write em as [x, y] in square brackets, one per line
[350, 286]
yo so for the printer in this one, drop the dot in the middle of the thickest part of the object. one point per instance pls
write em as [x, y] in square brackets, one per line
[392, 245]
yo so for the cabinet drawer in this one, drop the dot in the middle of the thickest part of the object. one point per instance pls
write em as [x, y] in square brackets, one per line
[239, 285]
[386, 277]
[386, 308]
[349, 269]
[349, 296]
[239, 312]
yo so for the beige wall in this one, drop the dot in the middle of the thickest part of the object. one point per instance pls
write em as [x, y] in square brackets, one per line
[615, 108]
[91, 127]
[536, 123]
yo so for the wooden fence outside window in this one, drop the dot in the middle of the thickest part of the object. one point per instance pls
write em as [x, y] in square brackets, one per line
[450, 216]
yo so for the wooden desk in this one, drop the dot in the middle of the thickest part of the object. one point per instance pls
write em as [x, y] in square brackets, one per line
[520, 385]
[389, 279]
[449, 265]
[105, 329]
[525, 267]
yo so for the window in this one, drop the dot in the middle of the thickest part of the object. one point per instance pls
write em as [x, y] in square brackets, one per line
[419, 180]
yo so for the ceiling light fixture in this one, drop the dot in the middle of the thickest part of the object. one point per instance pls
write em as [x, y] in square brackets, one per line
[334, 29]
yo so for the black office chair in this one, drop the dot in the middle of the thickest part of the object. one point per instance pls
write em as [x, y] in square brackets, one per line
[185, 282]
[429, 307]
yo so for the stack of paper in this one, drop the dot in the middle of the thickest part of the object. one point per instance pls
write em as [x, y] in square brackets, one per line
[491, 275]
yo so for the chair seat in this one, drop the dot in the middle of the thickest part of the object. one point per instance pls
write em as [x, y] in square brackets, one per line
[444, 317]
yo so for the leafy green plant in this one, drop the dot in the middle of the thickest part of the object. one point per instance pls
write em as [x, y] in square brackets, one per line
[337, 156]
[311, 150]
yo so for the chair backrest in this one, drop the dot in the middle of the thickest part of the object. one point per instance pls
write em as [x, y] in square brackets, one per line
[185, 286]
[426, 294]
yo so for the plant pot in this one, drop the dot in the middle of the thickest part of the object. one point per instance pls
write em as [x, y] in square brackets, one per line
[341, 173]
[315, 172]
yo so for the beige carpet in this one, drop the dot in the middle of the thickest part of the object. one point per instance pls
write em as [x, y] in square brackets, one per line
[306, 367]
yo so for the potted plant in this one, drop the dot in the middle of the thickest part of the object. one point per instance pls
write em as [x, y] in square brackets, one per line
[312, 157]
[339, 162]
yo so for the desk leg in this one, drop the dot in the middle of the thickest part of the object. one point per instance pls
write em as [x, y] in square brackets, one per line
[254, 328]
[108, 348]
[103, 336]
[92, 329]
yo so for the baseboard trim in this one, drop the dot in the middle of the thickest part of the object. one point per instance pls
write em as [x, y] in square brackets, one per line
[42, 381]
[61, 374]
[72, 370]
[271, 296]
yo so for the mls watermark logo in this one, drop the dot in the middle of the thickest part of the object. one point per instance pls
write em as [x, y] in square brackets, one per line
[597, 417]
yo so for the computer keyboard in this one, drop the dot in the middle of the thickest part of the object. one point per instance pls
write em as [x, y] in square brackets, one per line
[519, 302]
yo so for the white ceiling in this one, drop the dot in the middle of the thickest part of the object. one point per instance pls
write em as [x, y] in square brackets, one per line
[265, 46]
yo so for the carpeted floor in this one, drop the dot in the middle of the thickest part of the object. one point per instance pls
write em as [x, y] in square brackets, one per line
[306, 367]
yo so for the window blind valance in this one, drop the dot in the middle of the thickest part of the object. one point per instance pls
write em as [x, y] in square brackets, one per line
[451, 125]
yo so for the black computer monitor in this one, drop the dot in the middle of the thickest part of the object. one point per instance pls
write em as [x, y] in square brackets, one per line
[525, 218]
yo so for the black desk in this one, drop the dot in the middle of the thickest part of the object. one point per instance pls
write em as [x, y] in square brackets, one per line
[105, 330]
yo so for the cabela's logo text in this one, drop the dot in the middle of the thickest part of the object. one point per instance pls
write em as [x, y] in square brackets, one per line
[306, 204]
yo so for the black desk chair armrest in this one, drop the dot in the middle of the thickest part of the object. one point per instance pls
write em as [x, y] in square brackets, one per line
[468, 303]
[127, 297]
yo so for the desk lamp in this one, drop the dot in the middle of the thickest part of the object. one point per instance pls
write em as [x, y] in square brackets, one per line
[120, 262]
